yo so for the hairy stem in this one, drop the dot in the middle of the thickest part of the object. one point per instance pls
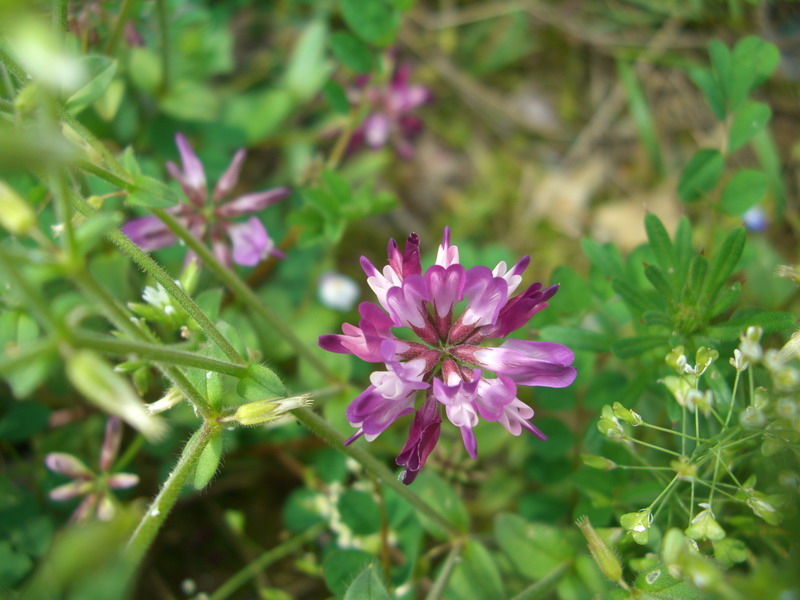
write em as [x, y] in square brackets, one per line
[159, 508]
[439, 586]
[157, 353]
[542, 587]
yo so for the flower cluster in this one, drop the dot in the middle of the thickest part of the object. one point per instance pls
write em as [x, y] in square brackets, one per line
[246, 243]
[96, 489]
[450, 363]
[390, 118]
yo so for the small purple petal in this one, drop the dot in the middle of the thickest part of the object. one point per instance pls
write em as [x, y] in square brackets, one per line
[422, 438]
[252, 203]
[121, 481]
[469, 442]
[230, 177]
[376, 129]
[373, 413]
[251, 243]
[66, 464]
[149, 233]
[447, 255]
[111, 443]
[515, 418]
[70, 490]
[193, 172]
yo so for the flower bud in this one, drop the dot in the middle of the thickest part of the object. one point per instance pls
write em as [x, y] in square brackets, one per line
[761, 398]
[739, 362]
[676, 359]
[626, 415]
[609, 426]
[598, 462]
[96, 380]
[264, 411]
[16, 214]
[749, 343]
[604, 557]
[752, 418]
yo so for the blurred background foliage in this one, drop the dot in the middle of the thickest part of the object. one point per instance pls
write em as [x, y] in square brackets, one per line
[555, 127]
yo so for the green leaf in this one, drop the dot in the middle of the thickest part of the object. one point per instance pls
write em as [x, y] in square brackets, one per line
[260, 383]
[770, 322]
[308, 69]
[745, 189]
[101, 71]
[144, 69]
[336, 97]
[214, 389]
[259, 114]
[748, 121]
[151, 192]
[443, 498]
[23, 419]
[577, 338]
[726, 300]
[753, 60]
[476, 576]
[724, 262]
[605, 257]
[635, 346]
[632, 296]
[375, 22]
[659, 280]
[700, 175]
[683, 250]
[352, 52]
[721, 64]
[534, 549]
[367, 586]
[713, 92]
[658, 584]
[208, 463]
[359, 512]
[300, 510]
[13, 566]
[341, 567]
[209, 302]
[694, 284]
[640, 111]
[660, 243]
[191, 101]
[656, 317]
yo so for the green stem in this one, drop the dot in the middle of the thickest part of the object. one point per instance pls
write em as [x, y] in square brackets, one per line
[125, 322]
[157, 353]
[163, 33]
[60, 10]
[654, 447]
[437, 591]
[245, 293]
[64, 214]
[666, 430]
[25, 354]
[159, 508]
[376, 468]
[267, 558]
[157, 272]
[13, 67]
[541, 588]
[93, 169]
[733, 398]
[122, 18]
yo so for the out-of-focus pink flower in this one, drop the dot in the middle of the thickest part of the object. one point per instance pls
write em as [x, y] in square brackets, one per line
[95, 488]
[390, 119]
[246, 243]
[451, 362]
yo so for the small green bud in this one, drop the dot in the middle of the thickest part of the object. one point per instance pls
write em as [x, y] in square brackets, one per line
[609, 426]
[16, 214]
[761, 398]
[626, 415]
[703, 358]
[603, 555]
[99, 383]
[637, 524]
[787, 378]
[264, 411]
[598, 462]
[676, 359]
[704, 526]
[787, 408]
[764, 507]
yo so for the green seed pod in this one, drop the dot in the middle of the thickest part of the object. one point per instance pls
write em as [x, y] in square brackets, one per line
[603, 555]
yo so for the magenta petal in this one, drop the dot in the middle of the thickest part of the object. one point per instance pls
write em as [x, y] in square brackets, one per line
[149, 233]
[469, 442]
[545, 364]
[230, 177]
[445, 286]
[486, 294]
[121, 481]
[111, 443]
[406, 303]
[376, 129]
[193, 172]
[70, 490]
[66, 464]
[422, 439]
[252, 203]
[251, 243]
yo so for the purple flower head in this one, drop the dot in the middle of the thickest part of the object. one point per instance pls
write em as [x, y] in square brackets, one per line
[456, 313]
[245, 243]
[95, 488]
[389, 119]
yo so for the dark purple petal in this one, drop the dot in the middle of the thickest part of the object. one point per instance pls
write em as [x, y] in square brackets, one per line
[519, 309]
[252, 203]
[407, 263]
[422, 438]
[149, 233]
[230, 177]
[373, 413]
[251, 242]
